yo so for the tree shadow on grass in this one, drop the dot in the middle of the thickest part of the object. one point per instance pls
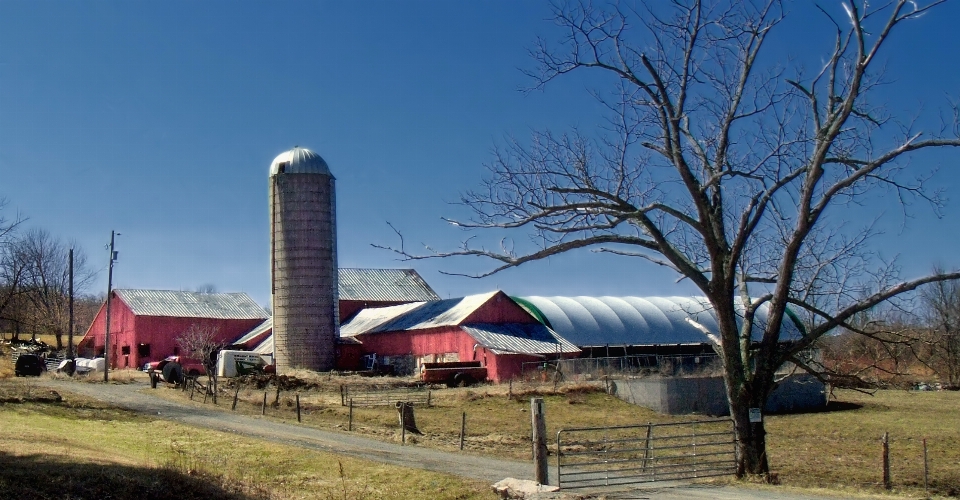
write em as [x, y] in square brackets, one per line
[831, 406]
[42, 477]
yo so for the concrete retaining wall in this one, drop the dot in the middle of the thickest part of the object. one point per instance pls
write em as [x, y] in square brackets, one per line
[705, 395]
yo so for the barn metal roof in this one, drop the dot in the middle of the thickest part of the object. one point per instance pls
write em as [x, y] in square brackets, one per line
[414, 316]
[519, 338]
[386, 285]
[597, 321]
[299, 161]
[258, 330]
[179, 304]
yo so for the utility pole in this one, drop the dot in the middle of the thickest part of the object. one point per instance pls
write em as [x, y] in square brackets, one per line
[106, 338]
[70, 328]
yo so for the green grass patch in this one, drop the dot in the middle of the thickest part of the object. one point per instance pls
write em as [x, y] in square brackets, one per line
[82, 449]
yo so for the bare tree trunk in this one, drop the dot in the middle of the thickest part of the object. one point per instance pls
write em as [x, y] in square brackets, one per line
[751, 441]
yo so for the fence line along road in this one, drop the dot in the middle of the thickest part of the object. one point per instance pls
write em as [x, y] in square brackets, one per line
[492, 469]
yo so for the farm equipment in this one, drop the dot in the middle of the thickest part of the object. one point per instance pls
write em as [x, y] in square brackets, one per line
[453, 374]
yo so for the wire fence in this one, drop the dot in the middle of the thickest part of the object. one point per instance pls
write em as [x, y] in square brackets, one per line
[630, 366]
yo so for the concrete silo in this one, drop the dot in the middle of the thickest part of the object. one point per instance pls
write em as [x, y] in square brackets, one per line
[303, 259]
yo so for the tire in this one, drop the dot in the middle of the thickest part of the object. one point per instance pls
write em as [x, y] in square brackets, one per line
[462, 380]
[173, 373]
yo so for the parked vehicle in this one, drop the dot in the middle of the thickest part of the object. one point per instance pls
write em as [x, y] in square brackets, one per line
[29, 365]
[173, 368]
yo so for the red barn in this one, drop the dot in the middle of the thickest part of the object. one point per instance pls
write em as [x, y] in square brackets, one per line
[490, 328]
[144, 324]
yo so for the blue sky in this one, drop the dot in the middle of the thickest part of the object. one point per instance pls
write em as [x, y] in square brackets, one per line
[160, 119]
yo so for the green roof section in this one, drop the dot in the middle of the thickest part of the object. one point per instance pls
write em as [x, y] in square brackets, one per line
[532, 309]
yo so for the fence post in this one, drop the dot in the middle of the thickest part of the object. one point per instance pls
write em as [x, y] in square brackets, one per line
[463, 430]
[539, 428]
[403, 428]
[236, 395]
[885, 446]
[350, 423]
[646, 447]
[263, 409]
[925, 468]
[298, 408]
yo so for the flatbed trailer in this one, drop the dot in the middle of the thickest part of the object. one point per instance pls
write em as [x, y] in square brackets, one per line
[455, 373]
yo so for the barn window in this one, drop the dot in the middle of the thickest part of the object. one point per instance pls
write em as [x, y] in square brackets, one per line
[281, 167]
[125, 350]
[143, 350]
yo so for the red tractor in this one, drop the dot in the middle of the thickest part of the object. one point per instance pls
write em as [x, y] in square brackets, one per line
[174, 369]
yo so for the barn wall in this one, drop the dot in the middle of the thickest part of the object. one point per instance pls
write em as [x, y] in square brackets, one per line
[350, 357]
[122, 323]
[435, 341]
[419, 342]
[499, 309]
[128, 331]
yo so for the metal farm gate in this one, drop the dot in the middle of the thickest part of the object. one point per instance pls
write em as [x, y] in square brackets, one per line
[630, 454]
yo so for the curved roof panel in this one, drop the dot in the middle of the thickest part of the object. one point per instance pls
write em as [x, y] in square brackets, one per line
[299, 161]
[596, 321]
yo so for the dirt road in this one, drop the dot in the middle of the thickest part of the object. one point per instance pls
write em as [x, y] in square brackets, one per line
[132, 397]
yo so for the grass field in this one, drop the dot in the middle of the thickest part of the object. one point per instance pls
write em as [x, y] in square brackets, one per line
[82, 449]
[836, 450]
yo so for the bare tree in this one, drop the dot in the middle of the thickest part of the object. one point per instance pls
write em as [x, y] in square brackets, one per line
[11, 272]
[733, 173]
[942, 314]
[202, 342]
[45, 281]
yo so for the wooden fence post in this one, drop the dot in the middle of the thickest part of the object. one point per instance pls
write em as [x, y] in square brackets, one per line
[463, 428]
[236, 395]
[539, 433]
[885, 446]
[403, 428]
[298, 408]
[926, 470]
[263, 409]
[350, 424]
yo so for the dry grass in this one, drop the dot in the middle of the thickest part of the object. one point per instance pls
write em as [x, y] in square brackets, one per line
[841, 449]
[836, 450]
[82, 449]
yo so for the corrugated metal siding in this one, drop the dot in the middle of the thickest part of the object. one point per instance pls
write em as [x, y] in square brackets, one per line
[191, 304]
[414, 316]
[519, 338]
[384, 285]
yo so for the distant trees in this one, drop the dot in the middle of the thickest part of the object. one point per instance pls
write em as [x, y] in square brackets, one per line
[900, 346]
[35, 281]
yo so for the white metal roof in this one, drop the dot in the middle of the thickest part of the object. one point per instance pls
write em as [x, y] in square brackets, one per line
[387, 285]
[258, 330]
[179, 304]
[415, 315]
[299, 161]
[597, 321]
[519, 338]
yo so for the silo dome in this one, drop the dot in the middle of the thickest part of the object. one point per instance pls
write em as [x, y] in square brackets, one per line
[299, 161]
